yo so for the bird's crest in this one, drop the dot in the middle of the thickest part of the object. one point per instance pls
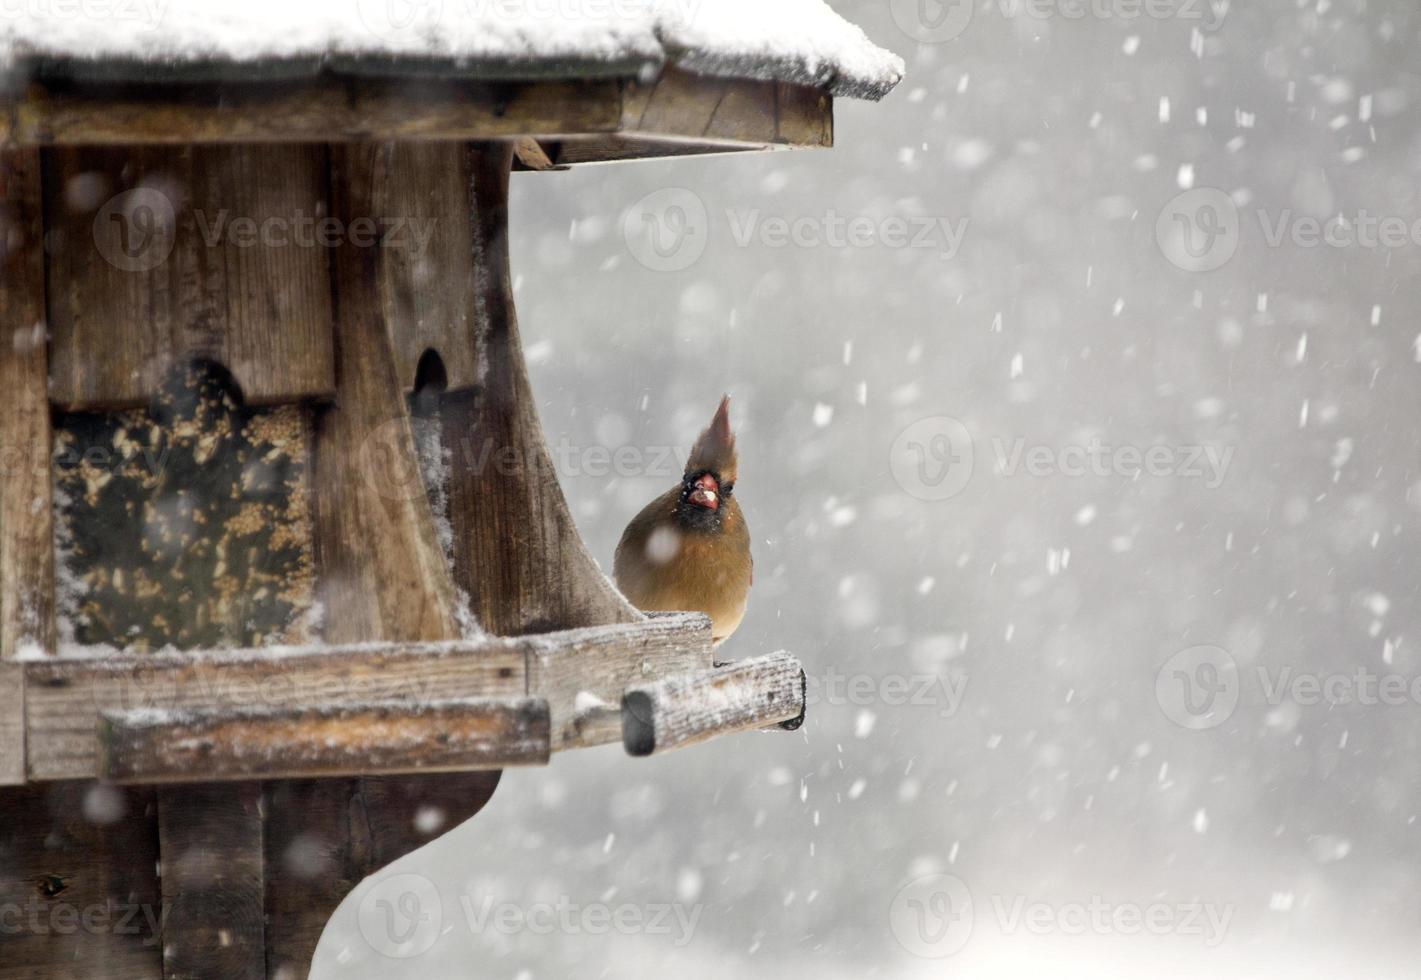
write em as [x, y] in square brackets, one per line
[715, 449]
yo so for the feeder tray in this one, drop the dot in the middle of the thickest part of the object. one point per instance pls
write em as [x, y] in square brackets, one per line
[251, 479]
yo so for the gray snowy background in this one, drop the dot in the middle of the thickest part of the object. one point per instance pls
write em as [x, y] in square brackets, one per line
[1045, 768]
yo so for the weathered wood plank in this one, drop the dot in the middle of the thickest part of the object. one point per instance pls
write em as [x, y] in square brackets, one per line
[65, 696]
[516, 549]
[701, 113]
[163, 255]
[26, 529]
[383, 575]
[379, 738]
[12, 723]
[317, 111]
[422, 274]
[684, 710]
[586, 666]
[325, 836]
[213, 881]
[705, 110]
[79, 863]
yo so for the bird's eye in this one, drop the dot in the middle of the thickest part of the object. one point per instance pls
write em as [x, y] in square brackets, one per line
[727, 489]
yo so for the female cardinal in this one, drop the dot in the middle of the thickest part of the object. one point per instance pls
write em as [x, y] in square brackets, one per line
[689, 549]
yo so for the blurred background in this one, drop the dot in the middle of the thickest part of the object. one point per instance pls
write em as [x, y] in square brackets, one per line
[1080, 706]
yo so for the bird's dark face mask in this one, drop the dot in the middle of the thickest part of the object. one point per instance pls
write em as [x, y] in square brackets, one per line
[703, 496]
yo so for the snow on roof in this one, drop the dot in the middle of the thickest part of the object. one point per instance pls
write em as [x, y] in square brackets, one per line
[799, 41]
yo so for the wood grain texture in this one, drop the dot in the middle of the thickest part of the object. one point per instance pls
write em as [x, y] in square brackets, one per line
[211, 841]
[516, 550]
[588, 663]
[80, 862]
[64, 697]
[321, 110]
[162, 255]
[325, 836]
[383, 575]
[26, 528]
[379, 738]
[425, 291]
[698, 113]
[12, 723]
[691, 708]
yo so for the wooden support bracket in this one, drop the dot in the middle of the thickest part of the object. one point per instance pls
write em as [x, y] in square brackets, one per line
[691, 708]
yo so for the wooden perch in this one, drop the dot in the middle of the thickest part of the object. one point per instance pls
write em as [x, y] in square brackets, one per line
[691, 708]
[383, 737]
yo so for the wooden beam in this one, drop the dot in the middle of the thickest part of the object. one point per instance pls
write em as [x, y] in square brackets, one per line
[580, 677]
[64, 697]
[320, 110]
[382, 573]
[601, 119]
[211, 846]
[26, 511]
[372, 738]
[421, 278]
[516, 549]
[691, 708]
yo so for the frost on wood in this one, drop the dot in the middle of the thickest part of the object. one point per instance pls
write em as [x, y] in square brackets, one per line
[691, 708]
[148, 746]
[800, 41]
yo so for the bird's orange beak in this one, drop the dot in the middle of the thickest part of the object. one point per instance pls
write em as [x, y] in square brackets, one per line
[706, 493]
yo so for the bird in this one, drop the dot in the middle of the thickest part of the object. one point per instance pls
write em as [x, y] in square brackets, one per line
[689, 549]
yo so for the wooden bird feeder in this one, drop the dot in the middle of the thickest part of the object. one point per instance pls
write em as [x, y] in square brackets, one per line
[261, 593]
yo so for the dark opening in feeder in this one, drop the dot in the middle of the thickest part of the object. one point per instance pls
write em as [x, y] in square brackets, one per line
[252, 575]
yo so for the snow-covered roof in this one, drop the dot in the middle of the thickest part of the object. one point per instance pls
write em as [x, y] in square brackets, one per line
[799, 41]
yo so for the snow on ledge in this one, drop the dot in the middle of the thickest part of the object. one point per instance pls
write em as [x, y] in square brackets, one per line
[787, 40]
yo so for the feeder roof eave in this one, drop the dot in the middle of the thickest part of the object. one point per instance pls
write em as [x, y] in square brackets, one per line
[620, 88]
